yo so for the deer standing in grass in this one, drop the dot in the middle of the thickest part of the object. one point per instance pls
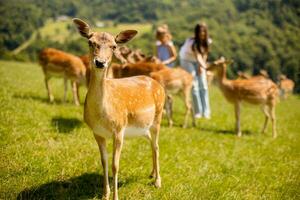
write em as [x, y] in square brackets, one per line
[176, 81]
[58, 63]
[258, 91]
[118, 108]
[286, 86]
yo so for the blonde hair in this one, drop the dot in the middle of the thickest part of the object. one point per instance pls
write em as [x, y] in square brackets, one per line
[163, 31]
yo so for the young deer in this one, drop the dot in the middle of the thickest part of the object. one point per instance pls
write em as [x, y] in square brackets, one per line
[259, 91]
[118, 108]
[58, 63]
[176, 81]
[286, 86]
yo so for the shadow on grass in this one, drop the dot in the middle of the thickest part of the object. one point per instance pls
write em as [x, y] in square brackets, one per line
[37, 98]
[86, 186]
[223, 131]
[65, 125]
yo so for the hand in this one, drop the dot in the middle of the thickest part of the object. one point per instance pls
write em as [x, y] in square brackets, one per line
[200, 69]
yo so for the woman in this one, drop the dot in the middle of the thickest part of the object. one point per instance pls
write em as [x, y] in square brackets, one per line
[193, 56]
[165, 49]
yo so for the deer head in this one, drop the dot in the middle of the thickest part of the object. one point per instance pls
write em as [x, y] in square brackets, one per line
[102, 45]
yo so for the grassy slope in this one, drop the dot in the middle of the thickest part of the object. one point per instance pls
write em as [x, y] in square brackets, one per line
[58, 31]
[47, 152]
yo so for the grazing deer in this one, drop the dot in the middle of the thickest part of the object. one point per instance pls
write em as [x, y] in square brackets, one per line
[243, 75]
[176, 81]
[253, 90]
[135, 69]
[286, 86]
[58, 63]
[262, 74]
[131, 56]
[118, 108]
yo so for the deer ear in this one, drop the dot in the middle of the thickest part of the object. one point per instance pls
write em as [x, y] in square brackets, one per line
[125, 36]
[83, 28]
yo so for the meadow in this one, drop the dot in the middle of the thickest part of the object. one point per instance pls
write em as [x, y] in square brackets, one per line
[48, 152]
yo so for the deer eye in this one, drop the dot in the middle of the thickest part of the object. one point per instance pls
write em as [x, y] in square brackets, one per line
[90, 44]
[113, 47]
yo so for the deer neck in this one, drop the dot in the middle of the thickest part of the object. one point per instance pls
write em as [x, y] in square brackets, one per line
[222, 75]
[97, 87]
[222, 78]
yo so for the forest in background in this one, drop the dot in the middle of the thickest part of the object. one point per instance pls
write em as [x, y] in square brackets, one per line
[256, 34]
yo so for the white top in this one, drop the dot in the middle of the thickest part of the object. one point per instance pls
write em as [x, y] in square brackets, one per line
[186, 51]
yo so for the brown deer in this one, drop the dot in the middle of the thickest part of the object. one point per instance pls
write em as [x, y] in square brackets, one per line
[286, 86]
[255, 91]
[58, 63]
[135, 69]
[131, 56]
[118, 108]
[262, 74]
[176, 81]
[243, 75]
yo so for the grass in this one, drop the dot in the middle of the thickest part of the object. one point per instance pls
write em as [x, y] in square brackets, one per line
[47, 152]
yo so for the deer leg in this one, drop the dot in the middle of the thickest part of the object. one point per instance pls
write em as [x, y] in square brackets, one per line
[66, 89]
[237, 106]
[104, 160]
[155, 151]
[50, 96]
[266, 112]
[169, 103]
[117, 147]
[273, 119]
[152, 174]
[74, 90]
[188, 107]
[77, 94]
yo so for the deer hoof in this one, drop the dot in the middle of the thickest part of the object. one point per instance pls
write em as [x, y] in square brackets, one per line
[157, 183]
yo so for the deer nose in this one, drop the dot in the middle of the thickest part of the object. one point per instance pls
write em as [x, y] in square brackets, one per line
[99, 64]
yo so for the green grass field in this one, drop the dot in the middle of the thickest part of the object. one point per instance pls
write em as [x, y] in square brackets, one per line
[47, 151]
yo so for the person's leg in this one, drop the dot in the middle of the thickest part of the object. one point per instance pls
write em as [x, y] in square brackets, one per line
[204, 96]
[189, 66]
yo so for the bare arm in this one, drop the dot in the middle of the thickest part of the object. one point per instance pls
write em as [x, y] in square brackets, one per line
[173, 52]
[201, 59]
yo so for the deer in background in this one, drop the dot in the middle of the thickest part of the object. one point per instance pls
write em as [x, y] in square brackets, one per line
[286, 86]
[118, 108]
[254, 91]
[262, 74]
[58, 63]
[176, 81]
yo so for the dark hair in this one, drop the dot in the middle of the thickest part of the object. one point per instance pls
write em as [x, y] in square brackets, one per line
[200, 45]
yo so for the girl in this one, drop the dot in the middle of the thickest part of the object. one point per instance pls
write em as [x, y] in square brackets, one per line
[165, 49]
[193, 56]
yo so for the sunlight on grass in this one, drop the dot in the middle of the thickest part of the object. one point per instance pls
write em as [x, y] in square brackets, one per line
[47, 151]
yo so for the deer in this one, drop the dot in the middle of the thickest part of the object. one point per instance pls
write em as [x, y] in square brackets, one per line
[286, 86]
[256, 91]
[134, 69]
[131, 56]
[117, 60]
[61, 64]
[176, 81]
[119, 108]
[243, 75]
[262, 74]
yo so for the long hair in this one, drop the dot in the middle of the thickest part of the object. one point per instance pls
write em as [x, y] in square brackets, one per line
[200, 44]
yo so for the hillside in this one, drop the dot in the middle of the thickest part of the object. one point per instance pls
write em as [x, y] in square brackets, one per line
[256, 34]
